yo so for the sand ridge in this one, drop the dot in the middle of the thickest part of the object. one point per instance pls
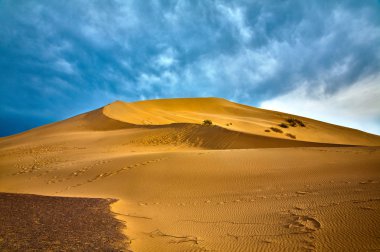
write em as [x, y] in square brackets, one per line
[232, 116]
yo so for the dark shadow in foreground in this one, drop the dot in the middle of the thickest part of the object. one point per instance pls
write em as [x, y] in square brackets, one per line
[43, 223]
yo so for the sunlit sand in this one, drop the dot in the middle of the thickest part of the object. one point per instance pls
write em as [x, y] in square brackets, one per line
[236, 185]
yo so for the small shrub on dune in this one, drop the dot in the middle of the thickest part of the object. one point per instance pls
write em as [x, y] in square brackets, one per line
[283, 125]
[300, 123]
[276, 130]
[291, 135]
[267, 130]
[207, 122]
[291, 122]
[294, 122]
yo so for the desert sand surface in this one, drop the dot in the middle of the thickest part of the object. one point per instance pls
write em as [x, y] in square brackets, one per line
[231, 186]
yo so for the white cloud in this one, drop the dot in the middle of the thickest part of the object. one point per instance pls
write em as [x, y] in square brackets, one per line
[64, 66]
[358, 28]
[236, 17]
[166, 59]
[108, 24]
[156, 84]
[356, 106]
[243, 70]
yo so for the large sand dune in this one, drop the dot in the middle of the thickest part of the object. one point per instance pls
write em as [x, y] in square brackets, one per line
[183, 186]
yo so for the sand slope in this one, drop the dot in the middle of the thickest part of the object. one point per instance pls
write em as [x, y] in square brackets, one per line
[243, 119]
[319, 199]
[187, 187]
[177, 122]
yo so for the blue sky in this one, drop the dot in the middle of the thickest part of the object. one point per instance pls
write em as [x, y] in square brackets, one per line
[319, 59]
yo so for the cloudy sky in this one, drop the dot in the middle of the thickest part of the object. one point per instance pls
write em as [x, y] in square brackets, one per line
[319, 59]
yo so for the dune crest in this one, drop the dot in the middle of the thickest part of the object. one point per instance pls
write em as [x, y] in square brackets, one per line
[235, 117]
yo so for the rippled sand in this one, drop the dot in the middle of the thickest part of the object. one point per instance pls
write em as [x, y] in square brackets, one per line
[188, 187]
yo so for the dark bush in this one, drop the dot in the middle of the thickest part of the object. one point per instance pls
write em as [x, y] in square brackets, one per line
[294, 122]
[283, 125]
[290, 135]
[207, 122]
[276, 130]
[267, 130]
[301, 124]
[291, 122]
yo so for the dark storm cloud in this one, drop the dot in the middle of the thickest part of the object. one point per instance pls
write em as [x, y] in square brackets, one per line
[62, 58]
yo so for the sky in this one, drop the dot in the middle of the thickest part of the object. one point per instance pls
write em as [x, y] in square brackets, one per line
[319, 59]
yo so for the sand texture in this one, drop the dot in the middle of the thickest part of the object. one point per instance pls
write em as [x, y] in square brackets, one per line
[45, 223]
[232, 186]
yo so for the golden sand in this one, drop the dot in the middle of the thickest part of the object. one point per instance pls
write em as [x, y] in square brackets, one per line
[232, 186]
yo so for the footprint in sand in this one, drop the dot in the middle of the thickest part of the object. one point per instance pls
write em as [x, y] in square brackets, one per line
[300, 207]
[367, 208]
[267, 241]
[101, 175]
[369, 181]
[303, 223]
[301, 192]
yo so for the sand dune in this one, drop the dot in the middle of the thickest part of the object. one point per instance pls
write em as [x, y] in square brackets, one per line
[178, 122]
[238, 117]
[183, 186]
